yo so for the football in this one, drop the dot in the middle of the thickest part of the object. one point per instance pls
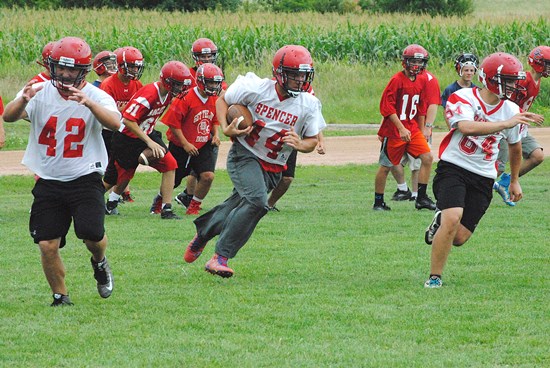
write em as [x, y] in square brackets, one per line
[242, 113]
[146, 157]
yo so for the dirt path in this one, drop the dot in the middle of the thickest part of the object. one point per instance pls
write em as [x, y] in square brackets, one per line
[340, 151]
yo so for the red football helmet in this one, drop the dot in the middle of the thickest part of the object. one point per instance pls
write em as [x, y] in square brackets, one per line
[176, 78]
[500, 73]
[105, 62]
[539, 59]
[414, 59]
[465, 59]
[292, 62]
[130, 62]
[46, 52]
[209, 79]
[204, 51]
[71, 53]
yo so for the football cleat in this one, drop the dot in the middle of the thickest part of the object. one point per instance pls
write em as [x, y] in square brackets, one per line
[217, 265]
[60, 300]
[433, 282]
[382, 207]
[401, 195]
[126, 197]
[431, 230]
[184, 199]
[194, 249]
[193, 208]
[104, 277]
[111, 208]
[156, 207]
[168, 214]
[425, 202]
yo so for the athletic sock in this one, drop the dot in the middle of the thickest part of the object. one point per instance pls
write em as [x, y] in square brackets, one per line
[113, 197]
[378, 199]
[402, 187]
[422, 190]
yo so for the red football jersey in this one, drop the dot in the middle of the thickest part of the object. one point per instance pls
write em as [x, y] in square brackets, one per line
[404, 98]
[432, 93]
[1, 106]
[532, 90]
[119, 91]
[195, 116]
[145, 107]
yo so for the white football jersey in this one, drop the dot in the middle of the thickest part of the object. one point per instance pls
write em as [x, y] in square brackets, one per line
[477, 154]
[273, 118]
[65, 140]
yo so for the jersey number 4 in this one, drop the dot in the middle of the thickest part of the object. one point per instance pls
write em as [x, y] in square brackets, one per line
[273, 143]
[74, 128]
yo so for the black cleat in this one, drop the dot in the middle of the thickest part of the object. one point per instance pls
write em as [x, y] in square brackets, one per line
[426, 203]
[60, 300]
[168, 214]
[431, 230]
[382, 207]
[104, 277]
[401, 195]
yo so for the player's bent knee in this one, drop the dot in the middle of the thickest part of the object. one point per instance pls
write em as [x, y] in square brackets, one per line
[207, 176]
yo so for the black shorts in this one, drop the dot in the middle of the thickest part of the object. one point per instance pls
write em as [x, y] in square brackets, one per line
[204, 162]
[454, 186]
[57, 203]
[107, 136]
[126, 150]
[291, 165]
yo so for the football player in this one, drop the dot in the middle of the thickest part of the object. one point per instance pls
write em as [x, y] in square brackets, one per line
[402, 102]
[194, 133]
[66, 151]
[480, 120]
[138, 134]
[203, 50]
[104, 65]
[122, 86]
[285, 118]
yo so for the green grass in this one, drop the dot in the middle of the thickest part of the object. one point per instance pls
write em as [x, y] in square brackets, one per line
[325, 282]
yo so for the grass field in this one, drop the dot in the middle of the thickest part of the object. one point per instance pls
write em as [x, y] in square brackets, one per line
[326, 282]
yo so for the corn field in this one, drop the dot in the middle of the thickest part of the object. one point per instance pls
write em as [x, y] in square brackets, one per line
[244, 38]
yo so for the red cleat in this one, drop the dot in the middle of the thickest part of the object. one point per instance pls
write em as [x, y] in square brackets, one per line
[193, 208]
[218, 266]
[193, 250]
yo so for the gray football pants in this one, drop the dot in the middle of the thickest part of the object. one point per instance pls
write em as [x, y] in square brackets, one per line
[235, 219]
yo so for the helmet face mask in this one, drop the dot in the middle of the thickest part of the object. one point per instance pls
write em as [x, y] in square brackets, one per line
[176, 78]
[464, 60]
[209, 79]
[105, 62]
[500, 74]
[539, 60]
[130, 62]
[293, 69]
[70, 62]
[204, 51]
[414, 59]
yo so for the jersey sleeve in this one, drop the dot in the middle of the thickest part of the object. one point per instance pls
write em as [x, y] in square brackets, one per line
[242, 89]
[316, 121]
[136, 109]
[388, 100]
[458, 109]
